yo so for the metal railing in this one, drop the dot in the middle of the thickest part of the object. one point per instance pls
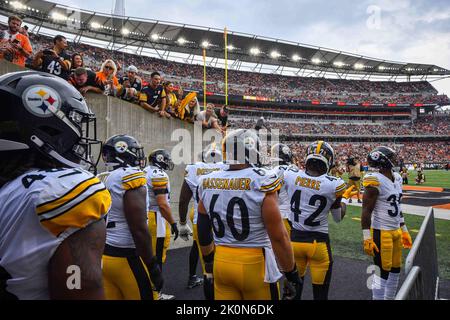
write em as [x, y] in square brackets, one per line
[421, 265]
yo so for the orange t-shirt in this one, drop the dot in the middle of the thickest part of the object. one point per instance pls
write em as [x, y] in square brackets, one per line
[19, 58]
[101, 79]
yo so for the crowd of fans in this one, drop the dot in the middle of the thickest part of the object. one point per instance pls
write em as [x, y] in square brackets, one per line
[439, 126]
[94, 69]
[277, 87]
[408, 152]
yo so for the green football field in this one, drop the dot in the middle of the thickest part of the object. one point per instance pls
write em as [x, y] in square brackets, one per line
[346, 238]
[434, 178]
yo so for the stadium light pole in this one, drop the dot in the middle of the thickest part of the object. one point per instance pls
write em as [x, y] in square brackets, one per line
[225, 35]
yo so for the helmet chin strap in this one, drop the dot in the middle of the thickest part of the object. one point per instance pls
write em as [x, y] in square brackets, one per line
[52, 153]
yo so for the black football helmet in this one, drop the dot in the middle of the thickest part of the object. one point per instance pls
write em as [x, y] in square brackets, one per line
[242, 147]
[382, 157]
[44, 113]
[281, 154]
[123, 151]
[161, 159]
[321, 151]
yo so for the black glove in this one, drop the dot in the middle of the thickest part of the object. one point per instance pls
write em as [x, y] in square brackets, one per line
[155, 274]
[175, 230]
[292, 285]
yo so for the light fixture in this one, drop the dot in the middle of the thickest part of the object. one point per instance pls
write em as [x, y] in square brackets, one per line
[275, 54]
[95, 25]
[205, 44]
[125, 31]
[316, 61]
[296, 58]
[155, 37]
[338, 64]
[58, 16]
[230, 47]
[254, 51]
[359, 66]
[181, 41]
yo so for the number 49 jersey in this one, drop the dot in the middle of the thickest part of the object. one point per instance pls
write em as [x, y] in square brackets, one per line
[233, 200]
[311, 199]
[38, 210]
[387, 213]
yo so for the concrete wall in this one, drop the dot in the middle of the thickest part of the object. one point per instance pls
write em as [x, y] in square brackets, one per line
[115, 116]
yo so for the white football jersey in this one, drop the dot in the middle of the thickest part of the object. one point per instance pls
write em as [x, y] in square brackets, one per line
[283, 198]
[118, 182]
[194, 172]
[387, 213]
[156, 178]
[38, 210]
[233, 200]
[310, 199]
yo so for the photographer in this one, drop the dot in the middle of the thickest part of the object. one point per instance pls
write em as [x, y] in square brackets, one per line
[14, 46]
[54, 60]
[354, 176]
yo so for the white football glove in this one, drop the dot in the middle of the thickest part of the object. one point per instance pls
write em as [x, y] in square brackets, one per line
[185, 231]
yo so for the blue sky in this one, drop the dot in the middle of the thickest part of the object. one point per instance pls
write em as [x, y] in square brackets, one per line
[400, 30]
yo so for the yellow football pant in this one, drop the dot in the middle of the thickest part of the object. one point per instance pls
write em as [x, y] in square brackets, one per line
[389, 243]
[317, 256]
[126, 278]
[287, 226]
[356, 183]
[159, 247]
[239, 275]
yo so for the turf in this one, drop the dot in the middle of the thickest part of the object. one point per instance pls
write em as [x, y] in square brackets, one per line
[346, 238]
[434, 178]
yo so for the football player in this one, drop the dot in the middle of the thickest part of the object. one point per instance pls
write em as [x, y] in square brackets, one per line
[160, 214]
[129, 265]
[313, 194]
[51, 209]
[382, 221]
[211, 162]
[282, 160]
[241, 205]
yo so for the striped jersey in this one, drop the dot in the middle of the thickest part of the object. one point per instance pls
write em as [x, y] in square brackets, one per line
[233, 200]
[118, 182]
[311, 198]
[38, 211]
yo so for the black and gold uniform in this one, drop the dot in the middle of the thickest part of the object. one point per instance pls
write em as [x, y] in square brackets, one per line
[152, 96]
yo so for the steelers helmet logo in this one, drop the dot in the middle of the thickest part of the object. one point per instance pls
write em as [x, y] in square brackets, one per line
[121, 146]
[375, 155]
[285, 150]
[160, 158]
[41, 100]
[249, 142]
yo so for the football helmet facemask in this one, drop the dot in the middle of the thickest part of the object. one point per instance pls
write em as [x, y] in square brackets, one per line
[123, 151]
[321, 151]
[161, 159]
[43, 112]
[382, 157]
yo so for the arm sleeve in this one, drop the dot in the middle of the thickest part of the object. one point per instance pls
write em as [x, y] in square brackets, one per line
[371, 181]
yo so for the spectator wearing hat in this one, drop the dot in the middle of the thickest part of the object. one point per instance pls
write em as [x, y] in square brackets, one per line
[131, 84]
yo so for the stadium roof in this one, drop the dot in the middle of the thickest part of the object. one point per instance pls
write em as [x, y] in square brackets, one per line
[166, 37]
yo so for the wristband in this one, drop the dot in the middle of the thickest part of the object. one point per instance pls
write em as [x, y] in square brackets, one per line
[366, 234]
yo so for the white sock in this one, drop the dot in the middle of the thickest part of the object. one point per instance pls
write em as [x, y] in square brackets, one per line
[391, 286]
[378, 287]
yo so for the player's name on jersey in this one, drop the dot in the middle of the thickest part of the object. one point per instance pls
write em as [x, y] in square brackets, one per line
[227, 184]
[205, 171]
[308, 183]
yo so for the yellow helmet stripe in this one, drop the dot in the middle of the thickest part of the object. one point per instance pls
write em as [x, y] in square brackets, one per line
[319, 146]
